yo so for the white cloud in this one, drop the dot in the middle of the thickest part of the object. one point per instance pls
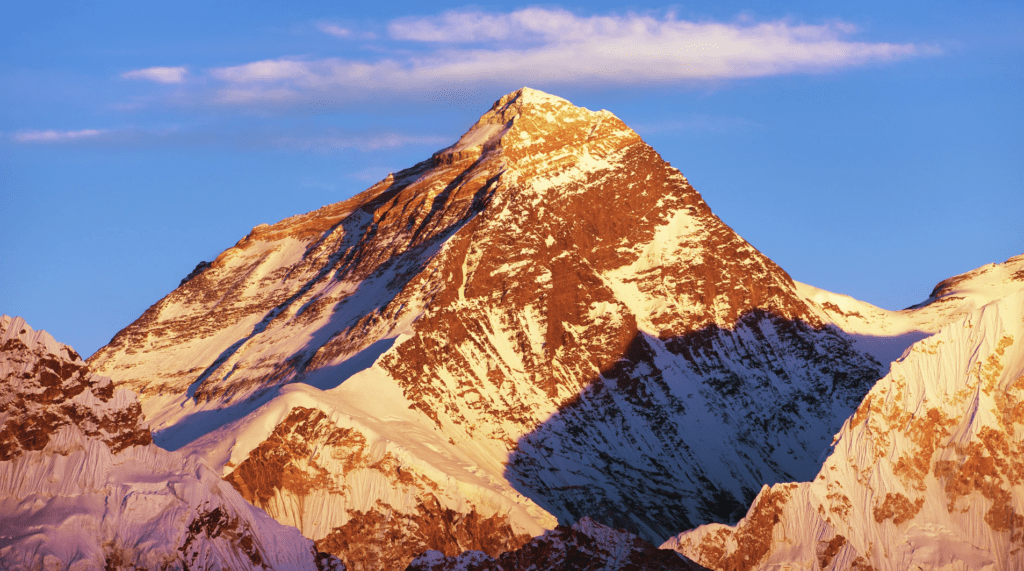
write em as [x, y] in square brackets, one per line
[623, 49]
[158, 74]
[257, 95]
[51, 136]
[265, 70]
[457, 27]
[334, 30]
[556, 46]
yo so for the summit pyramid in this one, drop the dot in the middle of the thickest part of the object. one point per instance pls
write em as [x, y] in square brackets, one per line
[541, 322]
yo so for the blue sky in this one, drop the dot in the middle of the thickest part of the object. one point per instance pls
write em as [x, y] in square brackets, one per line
[869, 148]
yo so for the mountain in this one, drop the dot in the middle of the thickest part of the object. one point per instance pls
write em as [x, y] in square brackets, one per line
[928, 473]
[541, 322]
[586, 546]
[83, 487]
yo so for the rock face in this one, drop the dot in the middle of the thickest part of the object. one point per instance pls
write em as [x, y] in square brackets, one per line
[928, 473]
[47, 386]
[82, 487]
[586, 546]
[541, 322]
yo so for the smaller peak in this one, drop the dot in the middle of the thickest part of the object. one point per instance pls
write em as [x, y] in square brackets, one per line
[17, 328]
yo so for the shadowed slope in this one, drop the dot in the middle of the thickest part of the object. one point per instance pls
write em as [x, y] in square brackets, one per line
[586, 546]
[683, 431]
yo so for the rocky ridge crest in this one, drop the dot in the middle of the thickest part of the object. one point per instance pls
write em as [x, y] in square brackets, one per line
[48, 386]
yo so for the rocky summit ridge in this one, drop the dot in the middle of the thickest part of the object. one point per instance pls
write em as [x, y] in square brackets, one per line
[541, 322]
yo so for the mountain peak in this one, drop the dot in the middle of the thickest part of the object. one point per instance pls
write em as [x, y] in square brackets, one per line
[539, 134]
[15, 328]
[557, 113]
[527, 95]
[83, 486]
[549, 265]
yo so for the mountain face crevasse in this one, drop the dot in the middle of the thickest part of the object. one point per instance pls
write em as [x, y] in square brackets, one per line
[542, 322]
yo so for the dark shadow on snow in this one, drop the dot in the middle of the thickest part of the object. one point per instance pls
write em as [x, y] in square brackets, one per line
[330, 377]
[887, 349]
[326, 378]
[684, 431]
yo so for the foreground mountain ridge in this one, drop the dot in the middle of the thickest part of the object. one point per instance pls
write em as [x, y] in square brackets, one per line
[82, 487]
[542, 322]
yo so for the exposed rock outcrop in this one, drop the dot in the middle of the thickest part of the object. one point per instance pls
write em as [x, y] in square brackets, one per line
[82, 487]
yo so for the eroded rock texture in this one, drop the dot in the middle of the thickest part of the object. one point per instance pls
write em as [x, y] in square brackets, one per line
[46, 386]
[310, 459]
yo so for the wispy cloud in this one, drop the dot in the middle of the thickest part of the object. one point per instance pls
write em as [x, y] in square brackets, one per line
[334, 30]
[52, 136]
[249, 95]
[333, 141]
[265, 70]
[460, 27]
[158, 74]
[298, 139]
[557, 46]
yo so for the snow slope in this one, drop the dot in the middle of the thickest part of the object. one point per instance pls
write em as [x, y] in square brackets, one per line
[886, 334]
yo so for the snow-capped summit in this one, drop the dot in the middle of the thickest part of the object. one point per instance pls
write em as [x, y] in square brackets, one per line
[541, 322]
[530, 95]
